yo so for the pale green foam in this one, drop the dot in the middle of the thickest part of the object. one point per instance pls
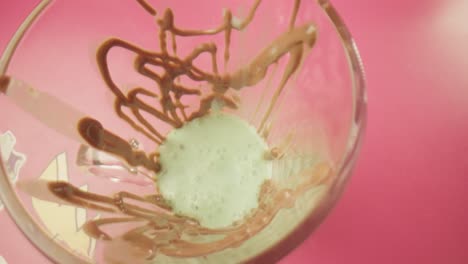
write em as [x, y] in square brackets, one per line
[213, 169]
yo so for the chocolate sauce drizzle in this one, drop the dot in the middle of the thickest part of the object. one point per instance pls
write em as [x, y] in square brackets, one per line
[165, 233]
[99, 138]
[159, 230]
[147, 7]
[169, 92]
[4, 83]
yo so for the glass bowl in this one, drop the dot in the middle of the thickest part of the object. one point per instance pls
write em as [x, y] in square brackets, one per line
[93, 93]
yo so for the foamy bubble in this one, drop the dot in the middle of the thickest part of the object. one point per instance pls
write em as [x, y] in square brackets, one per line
[217, 179]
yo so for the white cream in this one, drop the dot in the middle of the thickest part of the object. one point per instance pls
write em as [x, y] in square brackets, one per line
[213, 169]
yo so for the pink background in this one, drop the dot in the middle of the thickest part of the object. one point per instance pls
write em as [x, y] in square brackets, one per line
[406, 202]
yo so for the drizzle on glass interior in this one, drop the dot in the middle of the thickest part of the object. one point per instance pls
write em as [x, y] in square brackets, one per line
[158, 230]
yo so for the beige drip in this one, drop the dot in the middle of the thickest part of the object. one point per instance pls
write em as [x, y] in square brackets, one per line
[160, 231]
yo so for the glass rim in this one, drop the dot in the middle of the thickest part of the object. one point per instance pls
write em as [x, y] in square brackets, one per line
[58, 253]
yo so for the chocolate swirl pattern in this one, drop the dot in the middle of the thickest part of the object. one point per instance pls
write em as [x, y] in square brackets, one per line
[157, 229]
